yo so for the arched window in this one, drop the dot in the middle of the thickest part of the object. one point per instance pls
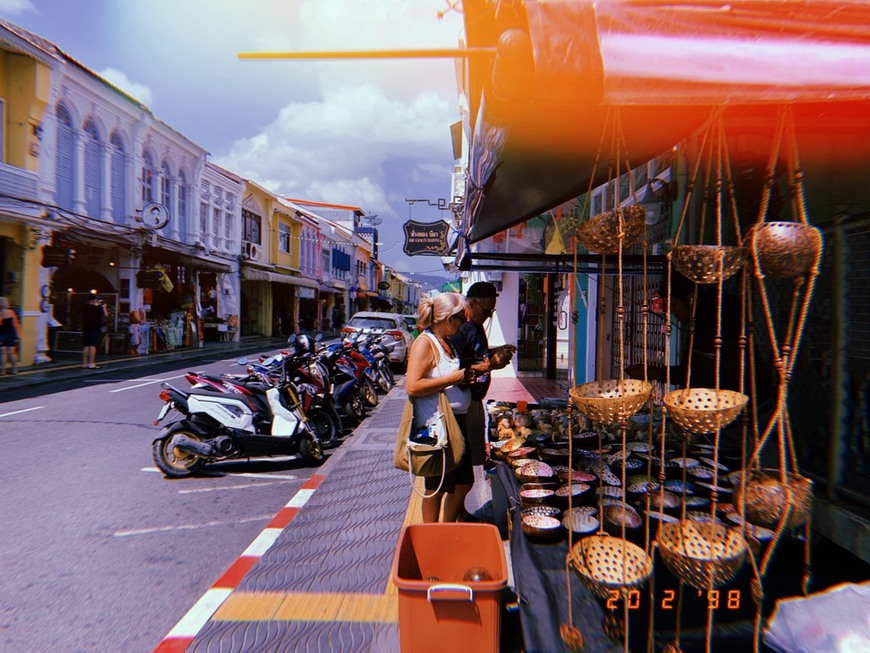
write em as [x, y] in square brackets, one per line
[149, 174]
[63, 170]
[165, 185]
[119, 187]
[93, 182]
[183, 192]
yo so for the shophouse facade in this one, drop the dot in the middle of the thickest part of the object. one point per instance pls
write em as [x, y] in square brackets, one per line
[25, 224]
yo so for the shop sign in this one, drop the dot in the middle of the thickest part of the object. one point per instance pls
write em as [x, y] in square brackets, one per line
[426, 238]
[383, 285]
[304, 293]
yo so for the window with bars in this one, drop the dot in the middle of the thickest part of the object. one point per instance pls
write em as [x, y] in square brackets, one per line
[284, 238]
[251, 227]
[228, 226]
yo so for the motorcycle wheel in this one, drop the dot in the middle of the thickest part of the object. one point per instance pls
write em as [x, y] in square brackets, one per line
[355, 408]
[383, 382]
[323, 423]
[370, 395]
[173, 462]
[311, 451]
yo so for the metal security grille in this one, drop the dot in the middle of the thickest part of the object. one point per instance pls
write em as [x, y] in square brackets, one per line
[814, 394]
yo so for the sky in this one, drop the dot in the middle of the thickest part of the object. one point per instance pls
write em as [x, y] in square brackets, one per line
[365, 133]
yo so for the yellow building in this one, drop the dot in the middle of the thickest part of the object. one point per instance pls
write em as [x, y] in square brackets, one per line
[25, 73]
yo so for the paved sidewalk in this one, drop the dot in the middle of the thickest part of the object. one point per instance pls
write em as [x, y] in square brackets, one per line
[68, 366]
[318, 578]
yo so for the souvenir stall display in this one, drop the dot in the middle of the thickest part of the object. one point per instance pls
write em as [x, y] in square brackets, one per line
[627, 487]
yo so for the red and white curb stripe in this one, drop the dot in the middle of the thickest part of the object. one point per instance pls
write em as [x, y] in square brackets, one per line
[184, 632]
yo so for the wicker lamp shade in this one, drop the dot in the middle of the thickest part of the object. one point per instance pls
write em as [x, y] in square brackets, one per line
[785, 249]
[767, 498]
[600, 233]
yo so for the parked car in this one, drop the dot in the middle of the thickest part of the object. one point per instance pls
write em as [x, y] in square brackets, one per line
[411, 321]
[393, 324]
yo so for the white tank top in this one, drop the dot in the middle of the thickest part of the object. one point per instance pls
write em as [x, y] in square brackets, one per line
[459, 396]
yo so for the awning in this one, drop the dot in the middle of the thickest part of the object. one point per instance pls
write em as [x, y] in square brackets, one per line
[541, 105]
[256, 274]
[203, 264]
[330, 289]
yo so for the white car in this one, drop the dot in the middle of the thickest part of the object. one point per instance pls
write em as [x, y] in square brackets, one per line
[393, 325]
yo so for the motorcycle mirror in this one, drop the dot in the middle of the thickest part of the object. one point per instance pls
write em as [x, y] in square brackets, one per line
[292, 338]
[318, 337]
[242, 361]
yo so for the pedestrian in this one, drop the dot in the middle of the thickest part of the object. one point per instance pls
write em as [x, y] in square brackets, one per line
[134, 334]
[433, 367]
[94, 316]
[472, 347]
[10, 333]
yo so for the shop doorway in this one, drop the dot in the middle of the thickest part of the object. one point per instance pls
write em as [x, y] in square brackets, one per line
[543, 326]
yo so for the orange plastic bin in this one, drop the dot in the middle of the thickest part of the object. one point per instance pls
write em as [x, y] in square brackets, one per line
[438, 609]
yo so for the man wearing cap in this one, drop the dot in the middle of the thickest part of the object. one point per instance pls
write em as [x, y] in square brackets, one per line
[472, 348]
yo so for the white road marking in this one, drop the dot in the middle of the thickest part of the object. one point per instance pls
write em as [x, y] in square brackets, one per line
[300, 498]
[140, 385]
[264, 476]
[200, 613]
[264, 540]
[188, 527]
[231, 487]
[18, 412]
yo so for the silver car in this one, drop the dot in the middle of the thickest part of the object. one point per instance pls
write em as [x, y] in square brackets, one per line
[393, 325]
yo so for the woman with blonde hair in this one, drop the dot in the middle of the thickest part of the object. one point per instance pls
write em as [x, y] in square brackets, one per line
[433, 367]
[9, 335]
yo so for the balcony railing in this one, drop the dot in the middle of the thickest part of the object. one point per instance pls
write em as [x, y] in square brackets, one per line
[18, 182]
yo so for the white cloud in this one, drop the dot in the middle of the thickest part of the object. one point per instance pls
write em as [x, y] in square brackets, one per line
[16, 7]
[119, 79]
[336, 149]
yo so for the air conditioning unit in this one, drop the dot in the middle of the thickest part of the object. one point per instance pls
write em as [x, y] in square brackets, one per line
[252, 251]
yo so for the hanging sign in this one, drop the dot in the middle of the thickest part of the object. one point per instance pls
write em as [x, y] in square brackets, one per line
[426, 238]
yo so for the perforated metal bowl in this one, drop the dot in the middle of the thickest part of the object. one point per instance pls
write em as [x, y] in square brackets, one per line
[704, 410]
[701, 554]
[611, 401]
[606, 563]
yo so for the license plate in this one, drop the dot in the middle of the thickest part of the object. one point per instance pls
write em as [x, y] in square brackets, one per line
[166, 408]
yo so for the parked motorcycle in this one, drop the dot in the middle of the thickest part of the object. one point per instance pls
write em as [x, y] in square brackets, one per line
[218, 426]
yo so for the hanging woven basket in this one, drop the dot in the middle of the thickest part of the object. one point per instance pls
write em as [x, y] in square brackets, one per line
[701, 554]
[700, 263]
[600, 233]
[767, 498]
[606, 564]
[609, 402]
[785, 249]
[703, 410]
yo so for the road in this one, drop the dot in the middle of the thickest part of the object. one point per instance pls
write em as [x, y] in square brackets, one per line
[99, 551]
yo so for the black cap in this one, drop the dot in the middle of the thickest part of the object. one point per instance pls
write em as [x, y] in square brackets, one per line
[481, 290]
